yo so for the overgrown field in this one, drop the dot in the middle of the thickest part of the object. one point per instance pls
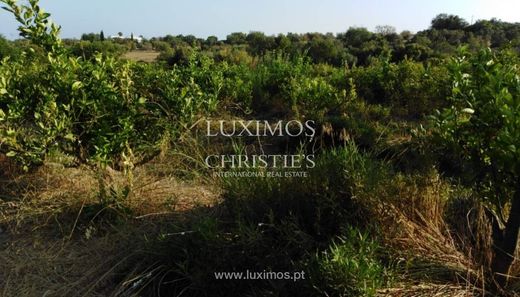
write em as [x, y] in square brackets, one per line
[415, 189]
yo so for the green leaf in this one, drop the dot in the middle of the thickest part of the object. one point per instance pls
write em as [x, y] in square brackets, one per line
[70, 137]
[11, 154]
[8, 9]
[3, 91]
[77, 85]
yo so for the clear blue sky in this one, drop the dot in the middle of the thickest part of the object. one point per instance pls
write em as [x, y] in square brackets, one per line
[221, 17]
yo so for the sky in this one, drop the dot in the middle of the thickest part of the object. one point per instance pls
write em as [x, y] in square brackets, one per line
[203, 18]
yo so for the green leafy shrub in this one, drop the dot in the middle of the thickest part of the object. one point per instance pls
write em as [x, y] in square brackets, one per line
[8, 49]
[96, 109]
[350, 267]
[481, 130]
[279, 224]
[237, 88]
[193, 251]
[233, 55]
[321, 205]
[314, 98]
[271, 83]
[89, 49]
[410, 88]
[180, 55]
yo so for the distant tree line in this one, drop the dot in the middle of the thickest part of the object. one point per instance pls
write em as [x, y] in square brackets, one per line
[356, 46]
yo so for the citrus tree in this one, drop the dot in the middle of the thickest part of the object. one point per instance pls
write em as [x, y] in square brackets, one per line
[50, 99]
[482, 128]
[98, 109]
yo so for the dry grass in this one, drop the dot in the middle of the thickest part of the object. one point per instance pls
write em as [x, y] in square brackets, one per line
[48, 247]
[427, 290]
[43, 265]
[141, 56]
[431, 263]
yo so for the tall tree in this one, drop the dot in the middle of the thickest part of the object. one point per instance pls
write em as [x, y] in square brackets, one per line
[448, 22]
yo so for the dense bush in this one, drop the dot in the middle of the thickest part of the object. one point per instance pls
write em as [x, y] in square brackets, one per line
[350, 266]
[482, 131]
[179, 55]
[8, 49]
[411, 88]
[95, 109]
[89, 49]
[271, 79]
[321, 206]
[301, 224]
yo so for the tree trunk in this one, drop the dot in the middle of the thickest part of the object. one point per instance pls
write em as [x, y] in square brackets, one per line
[505, 243]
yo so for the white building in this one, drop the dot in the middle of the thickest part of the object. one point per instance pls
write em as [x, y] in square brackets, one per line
[139, 38]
